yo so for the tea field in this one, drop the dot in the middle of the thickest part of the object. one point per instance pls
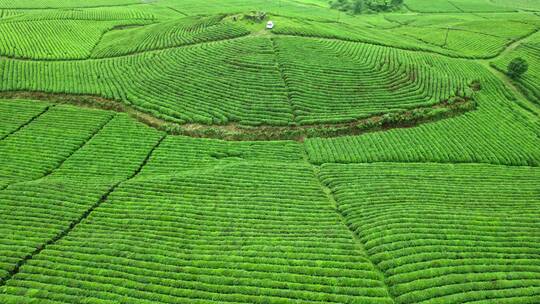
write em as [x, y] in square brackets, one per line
[179, 151]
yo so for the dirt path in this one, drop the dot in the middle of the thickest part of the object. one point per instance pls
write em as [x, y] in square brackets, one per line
[512, 46]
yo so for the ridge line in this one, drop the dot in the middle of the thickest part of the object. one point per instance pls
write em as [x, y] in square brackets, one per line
[284, 78]
[334, 204]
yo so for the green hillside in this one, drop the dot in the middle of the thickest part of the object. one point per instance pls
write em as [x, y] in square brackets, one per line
[179, 151]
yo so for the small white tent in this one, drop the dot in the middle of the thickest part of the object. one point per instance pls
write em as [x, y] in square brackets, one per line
[270, 25]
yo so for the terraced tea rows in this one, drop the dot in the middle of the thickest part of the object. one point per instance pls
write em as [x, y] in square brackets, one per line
[95, 14]
[38, 148]
[37, 212]
[435, 199]
[465, 43]
[53, 39]
[347, 32]
[496, 133]
[446, 233]
[252, 81]
[17, 113]
[294, 9]
[167, 35]
[47, 4]
[249, 88]
[530, 81]
[237, 227]
[333, 82]
[522, 4]
[459, 6]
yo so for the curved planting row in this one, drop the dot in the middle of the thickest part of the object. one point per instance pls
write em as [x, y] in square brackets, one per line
[331, 81]
[457, 35]
[214, 83]
[446, 233]
[354, 32]
[495, 133]
[169, 34]
[466, 43]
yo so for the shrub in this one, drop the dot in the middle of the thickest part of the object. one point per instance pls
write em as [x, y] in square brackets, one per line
[517, 67]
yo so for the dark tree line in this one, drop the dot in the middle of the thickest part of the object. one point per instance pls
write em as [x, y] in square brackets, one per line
[364, 6]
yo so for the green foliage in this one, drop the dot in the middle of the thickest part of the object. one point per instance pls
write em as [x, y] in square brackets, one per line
[465, 139]
[454, 6]
[275, 81]
[255, 16]
[444, 233]
[233, 217]
[37, 148]
[57, 167]
[359, 6]
[16, 113]
[53, 39]
[517, 67]
[335, 81]
[528, 82]
[446, 211]
[47, 4]
[169, 34]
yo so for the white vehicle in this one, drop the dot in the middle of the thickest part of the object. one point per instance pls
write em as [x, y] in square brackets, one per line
[270, 25]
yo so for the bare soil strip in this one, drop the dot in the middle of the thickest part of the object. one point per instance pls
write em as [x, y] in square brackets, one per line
[235, 131]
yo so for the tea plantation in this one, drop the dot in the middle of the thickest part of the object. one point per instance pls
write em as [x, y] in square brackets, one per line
[270, 151]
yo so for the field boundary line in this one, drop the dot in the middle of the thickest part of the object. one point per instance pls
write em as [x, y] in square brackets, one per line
[178, 11]
[335, 206]
[63, 233]
[88, 139]
[283, 77]
[32, 119]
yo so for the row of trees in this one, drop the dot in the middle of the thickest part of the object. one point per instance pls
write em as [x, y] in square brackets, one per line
[364, 6]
